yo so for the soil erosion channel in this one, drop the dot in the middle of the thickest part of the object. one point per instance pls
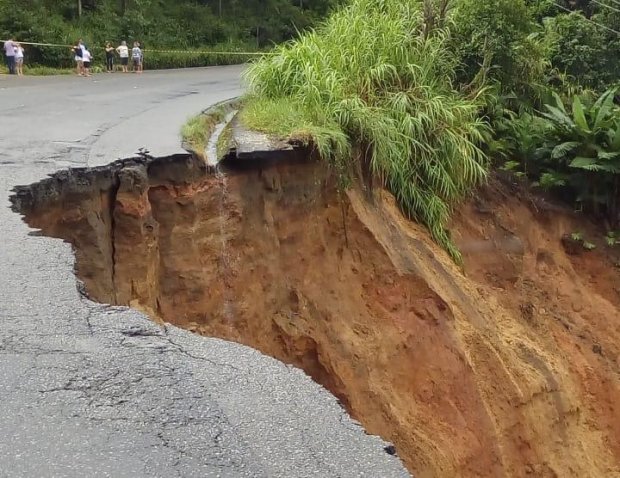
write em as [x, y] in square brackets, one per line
[509, 370]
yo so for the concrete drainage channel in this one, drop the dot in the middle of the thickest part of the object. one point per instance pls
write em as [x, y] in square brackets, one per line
[254, 252]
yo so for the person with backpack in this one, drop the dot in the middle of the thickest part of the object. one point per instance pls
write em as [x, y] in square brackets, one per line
[78, 53]
[136, 56]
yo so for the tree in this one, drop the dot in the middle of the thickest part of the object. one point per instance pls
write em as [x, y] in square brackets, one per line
[495, 42]
[577, 47]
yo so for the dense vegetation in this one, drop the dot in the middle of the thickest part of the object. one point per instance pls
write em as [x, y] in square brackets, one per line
[424, 95]
[227, 25]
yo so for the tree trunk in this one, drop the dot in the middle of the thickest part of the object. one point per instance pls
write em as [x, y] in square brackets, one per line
[79, 7]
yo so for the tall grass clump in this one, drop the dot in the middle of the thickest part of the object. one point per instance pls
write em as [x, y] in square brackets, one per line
[378, 87]
[195, 133]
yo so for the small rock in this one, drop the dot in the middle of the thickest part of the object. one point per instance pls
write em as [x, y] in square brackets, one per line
[390, 450]
[597, 349]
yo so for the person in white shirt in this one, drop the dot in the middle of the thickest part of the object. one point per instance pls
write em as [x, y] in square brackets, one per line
[123, 53]
[9, 53]
[19, 59]
[136, 56]
[87, 58]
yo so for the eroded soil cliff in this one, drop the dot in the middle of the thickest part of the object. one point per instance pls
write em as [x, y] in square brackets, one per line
[510, 368]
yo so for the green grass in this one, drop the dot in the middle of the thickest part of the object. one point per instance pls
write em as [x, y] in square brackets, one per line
[275, 116]
[40, 71]
[196, 131]
[223, 142]
[373, 92]
[281, 118]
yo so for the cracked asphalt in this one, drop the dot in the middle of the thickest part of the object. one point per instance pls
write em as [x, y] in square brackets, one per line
[89, 390]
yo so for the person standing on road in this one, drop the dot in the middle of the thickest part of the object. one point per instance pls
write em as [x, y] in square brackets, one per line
[19, 59]
[123, 53]
[78, 54]
[136, 56]
[9, 53]
[109, 57]
[87, 57]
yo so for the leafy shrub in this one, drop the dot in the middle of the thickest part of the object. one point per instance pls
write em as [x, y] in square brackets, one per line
[588, 146]
[578, 152]
[518, 140]
[495, 41]
[576, 47]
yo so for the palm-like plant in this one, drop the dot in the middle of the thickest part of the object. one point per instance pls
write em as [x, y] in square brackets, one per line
[375, 73]
[587, 149]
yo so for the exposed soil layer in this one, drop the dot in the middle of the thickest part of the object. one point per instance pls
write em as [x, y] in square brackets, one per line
[511, 369]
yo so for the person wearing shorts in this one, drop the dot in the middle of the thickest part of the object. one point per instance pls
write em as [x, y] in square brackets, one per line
[19, 59]
[78, 53]
[136, 57]
[87, 58]
[123, 53]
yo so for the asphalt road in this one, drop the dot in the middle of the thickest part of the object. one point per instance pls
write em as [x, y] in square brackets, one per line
[88, 390]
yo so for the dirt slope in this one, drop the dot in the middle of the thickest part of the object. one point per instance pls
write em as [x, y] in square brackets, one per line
[508, 368]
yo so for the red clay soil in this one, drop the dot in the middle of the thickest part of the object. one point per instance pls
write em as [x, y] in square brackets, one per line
[508, 368]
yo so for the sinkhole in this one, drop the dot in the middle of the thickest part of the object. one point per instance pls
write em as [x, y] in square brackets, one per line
[266, 253]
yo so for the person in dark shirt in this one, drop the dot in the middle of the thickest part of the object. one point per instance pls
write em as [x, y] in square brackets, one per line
[109, 57]
[78, 53]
